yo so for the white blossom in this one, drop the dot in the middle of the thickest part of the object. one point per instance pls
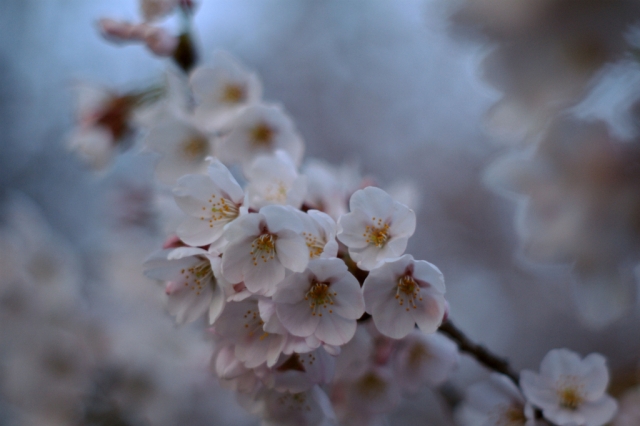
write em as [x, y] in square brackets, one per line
[319, 232]
[261, 246]
[570, 390]
[425, 359]
[377, 228]
[496, 401]
[257, 130]
[324, 301]
[193, 288]
[182, 145]
[212, 202]
[274, 179]
[405, 292]
[222, 90]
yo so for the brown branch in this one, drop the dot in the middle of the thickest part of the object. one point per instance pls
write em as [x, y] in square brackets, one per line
[479, 352]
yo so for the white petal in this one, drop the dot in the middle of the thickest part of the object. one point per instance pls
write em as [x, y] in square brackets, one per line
[429, 311]
[335, 330]
[292, 251]
[297, 318]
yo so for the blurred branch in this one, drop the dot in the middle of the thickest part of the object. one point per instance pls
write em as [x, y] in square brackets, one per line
[479, 352]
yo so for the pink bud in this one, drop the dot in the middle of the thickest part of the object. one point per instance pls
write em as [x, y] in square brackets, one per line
[117, 31]
[160, 41]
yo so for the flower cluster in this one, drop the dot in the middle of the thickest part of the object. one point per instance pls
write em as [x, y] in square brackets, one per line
[273, 264]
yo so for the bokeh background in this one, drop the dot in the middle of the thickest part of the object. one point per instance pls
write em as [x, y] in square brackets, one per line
[400, 88]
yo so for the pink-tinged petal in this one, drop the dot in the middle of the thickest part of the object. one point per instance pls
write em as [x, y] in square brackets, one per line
[193, 191]
[374, 201]
[227, 366]
[334, 329]
[221, 176]
[394, 248]
[293, 288]
[599, 412]
[327, 270]
[377, 289]
[325, 222]
[330, 249]
[348, 302]
[403, 221]
[539, 390]
[188, 304]
[183, 252]
[199, 232]
[262, 275]
[428, 273]
[368, 258]
[234, 258]
[279, 218]
[217, 304]
[595, 377]
[560, 362]
[352, 228]
[275, 349]
[298, 318]
[244, 226]
[292, 251]
[391, 319]
[429, 311]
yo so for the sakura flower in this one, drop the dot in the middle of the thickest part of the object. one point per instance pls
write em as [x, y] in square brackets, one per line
[377, 228]
[261, 246]
[231, 371]
[104, 122]
[300, 372]
[496, 401]
[157, 39]
[181, 144]
[329, 187]
[241, 325]
[405, 292]
[309, 408]
[273, 179]
[192, 276]
[319, 232]
[222, 90]
[425, 359]
[570, 390]
[212, 202]
[324, 301]
[257, 130]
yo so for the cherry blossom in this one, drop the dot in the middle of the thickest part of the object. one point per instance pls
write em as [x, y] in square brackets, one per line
[319, 232]
[222, 90]
[425, 359]
[405, 292]
[257, 130]
[377, 228]
[299, 372]
[212, 203]
[570, 390]
[496, 401]
[261, 246]
[324, 301]
[181, 144]
[309, 408]
[193, 288]
[273, 179]
[242, 326]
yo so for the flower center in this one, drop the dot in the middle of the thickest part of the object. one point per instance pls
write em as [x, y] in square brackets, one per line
[221, 209]
[409, 289]
[233, 93]
[262, 135]
[294, 402]
[316, 247]
[195, 148]
[371, 386]
[378, 233]
[254, 324]
[513, 415]
[570, 397]
[198, 276]
[263, 247]
[320, 295]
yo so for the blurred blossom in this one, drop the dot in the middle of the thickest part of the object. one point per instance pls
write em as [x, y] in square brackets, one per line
[545, 54]
[579, 204]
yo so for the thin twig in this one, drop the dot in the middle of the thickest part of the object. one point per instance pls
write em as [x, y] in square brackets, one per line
[479, 352]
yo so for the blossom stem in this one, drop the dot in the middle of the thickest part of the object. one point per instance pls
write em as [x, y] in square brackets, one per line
[479, 352]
